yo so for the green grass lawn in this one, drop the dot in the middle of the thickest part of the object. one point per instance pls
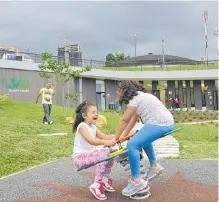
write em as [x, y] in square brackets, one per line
[156, 68]
[22, 147]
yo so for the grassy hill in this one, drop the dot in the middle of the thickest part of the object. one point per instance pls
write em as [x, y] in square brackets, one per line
[22, 147]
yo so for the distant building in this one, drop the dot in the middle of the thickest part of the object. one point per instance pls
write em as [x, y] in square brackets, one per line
[152, 60]
[74, 55]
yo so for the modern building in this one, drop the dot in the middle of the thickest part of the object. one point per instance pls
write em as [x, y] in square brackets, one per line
[195, 89]
[74, 55]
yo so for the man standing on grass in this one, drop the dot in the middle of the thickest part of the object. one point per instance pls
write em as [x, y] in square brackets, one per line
[46, 94]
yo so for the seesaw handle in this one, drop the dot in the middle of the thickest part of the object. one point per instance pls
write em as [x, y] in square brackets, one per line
[124, 138]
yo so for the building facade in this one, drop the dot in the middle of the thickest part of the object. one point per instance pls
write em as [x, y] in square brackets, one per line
[196, 89]
[73, 54]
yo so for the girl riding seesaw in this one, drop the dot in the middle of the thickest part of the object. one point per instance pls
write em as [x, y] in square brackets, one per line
[86, 138]
[157, 119]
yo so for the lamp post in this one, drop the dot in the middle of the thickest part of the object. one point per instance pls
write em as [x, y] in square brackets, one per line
[217, 35]
[91, 58]
[135, 35]
[206, 36]
[163, 59]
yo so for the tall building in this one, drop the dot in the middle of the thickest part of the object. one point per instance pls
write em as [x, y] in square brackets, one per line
[74, 55]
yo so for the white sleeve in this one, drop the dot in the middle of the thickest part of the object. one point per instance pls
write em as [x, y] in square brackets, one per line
[134, 102]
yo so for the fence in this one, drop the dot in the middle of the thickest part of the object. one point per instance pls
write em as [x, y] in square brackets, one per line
[131, 65]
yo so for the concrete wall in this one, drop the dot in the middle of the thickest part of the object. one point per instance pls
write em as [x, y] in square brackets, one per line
[89, 90]
[30, 92]
[188, 95]
[110, 92]
[197, 94]
[180, 94]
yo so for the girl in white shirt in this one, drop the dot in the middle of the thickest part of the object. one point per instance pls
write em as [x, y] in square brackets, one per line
[86, 138]
[157, 121]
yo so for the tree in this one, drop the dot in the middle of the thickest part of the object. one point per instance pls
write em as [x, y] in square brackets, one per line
[62, 73]
[110, 58]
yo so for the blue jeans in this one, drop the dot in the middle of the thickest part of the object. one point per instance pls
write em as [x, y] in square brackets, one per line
[47, 111]
[143, 139]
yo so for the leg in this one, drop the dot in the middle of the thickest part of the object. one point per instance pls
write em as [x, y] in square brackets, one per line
[143, 138]
[46, 112]
[97, 188]
[149, 150]
[90, 158]
[50, 109]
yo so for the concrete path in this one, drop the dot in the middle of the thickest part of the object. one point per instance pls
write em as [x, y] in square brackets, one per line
[182, 181]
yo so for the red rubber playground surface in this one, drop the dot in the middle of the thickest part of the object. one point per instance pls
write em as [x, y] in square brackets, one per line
[182, 181]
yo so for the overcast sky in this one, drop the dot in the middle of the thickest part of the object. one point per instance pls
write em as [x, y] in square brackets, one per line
[103, 27]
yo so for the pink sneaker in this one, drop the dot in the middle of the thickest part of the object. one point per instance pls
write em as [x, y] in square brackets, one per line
[107, 184]
[98, 191]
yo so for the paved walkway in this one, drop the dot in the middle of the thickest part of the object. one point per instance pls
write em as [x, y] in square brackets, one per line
[192, 123]
[183, 181]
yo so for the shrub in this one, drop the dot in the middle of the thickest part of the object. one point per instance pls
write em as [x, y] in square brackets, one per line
[4, 97]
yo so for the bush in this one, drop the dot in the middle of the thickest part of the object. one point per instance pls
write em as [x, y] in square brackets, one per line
[4, 97]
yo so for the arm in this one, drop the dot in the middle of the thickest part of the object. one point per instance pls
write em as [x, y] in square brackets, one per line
[53, 93]
[40, 93]
[125, 121]
[130, 125]
[94, 141]
[102, 136]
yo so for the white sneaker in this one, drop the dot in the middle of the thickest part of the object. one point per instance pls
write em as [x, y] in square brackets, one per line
[144, 171]
[46, 123]
[132, 188]
[51, 122]
[154, 171]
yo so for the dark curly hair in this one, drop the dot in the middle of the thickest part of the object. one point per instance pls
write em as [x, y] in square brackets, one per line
[129, 90]
[81, 109]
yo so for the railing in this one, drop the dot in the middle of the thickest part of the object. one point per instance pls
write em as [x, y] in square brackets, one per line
[129, 66]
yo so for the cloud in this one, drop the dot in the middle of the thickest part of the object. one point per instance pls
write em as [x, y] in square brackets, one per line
[103, 27]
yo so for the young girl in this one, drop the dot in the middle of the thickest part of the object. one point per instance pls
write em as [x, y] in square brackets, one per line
[86, 138]
[157, 121]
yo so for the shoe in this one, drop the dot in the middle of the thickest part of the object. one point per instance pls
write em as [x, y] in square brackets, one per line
[154, 171]
[51, 122]
[46, 123]
[107, 184]
[132, 188]
[98, 191]
[127, 167]
[144, 171]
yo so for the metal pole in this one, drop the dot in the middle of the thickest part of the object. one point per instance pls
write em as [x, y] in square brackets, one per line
[135, 35]
[206, 37]
[163, 60]
[216, 34]
[91, 61]
[65, 50]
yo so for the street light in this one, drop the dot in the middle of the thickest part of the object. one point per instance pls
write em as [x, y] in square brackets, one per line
[91, 58]
[135, 35]
[217, 35]
[163, 60]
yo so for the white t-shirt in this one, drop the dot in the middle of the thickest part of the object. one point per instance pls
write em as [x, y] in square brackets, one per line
[81, 146]
[151, 109]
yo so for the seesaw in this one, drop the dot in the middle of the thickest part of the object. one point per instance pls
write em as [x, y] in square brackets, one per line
[113, 153]
[121, 156]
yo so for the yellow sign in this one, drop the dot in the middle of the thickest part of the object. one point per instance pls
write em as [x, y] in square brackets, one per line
[159, 87]
[204, 88]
